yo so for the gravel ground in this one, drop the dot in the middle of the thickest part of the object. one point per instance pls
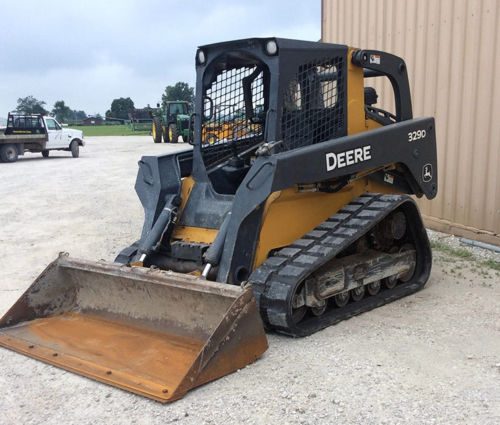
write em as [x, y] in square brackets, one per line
[432, 358]
[457, 243]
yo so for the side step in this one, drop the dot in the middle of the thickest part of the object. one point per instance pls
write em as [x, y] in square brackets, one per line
[155, 333]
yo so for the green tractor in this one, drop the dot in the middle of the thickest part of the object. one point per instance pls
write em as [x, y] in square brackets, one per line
[171, 121]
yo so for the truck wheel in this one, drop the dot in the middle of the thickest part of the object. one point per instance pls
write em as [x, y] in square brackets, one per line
[156, 130]
[75, 149]
[45, 153]
[173, 134]
[8, 153]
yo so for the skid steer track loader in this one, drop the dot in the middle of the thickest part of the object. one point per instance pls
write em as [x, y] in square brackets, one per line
[299, 218]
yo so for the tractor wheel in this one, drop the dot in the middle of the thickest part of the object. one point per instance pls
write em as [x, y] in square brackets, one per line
[8, 153]
[186, 138]
[173, 134]
[156, 130]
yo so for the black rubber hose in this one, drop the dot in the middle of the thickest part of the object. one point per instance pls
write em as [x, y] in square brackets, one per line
[167, 263]
[213, 254]
[155, 233]
[180, 266]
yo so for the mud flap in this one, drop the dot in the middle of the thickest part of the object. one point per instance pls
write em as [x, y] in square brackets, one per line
[155, 333]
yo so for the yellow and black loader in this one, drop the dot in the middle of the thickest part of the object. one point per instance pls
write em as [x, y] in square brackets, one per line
[301, 218]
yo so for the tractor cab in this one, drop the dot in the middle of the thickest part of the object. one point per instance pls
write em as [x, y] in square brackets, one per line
[172, 109]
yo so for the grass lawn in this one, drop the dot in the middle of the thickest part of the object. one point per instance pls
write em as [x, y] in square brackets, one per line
[109, 130]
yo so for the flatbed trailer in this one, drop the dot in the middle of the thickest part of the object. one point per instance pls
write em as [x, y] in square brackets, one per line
[14, 145]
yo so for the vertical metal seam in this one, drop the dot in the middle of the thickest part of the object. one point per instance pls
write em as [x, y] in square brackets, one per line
[459, 187]
[445, 209]
[491, 124]
[468, 216]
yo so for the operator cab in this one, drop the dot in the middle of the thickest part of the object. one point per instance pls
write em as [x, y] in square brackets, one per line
[287, 93]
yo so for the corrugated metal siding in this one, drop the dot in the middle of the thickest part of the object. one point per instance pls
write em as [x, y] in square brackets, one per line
[452, 50]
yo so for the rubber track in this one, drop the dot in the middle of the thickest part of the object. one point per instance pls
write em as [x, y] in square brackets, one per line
[274, 282]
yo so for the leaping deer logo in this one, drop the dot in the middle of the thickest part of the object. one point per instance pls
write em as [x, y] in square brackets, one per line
[427, 173]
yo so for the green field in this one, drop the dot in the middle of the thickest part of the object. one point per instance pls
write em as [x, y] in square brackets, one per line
[108, 130]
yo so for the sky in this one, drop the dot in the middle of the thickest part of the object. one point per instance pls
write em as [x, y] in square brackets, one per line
[88, 53]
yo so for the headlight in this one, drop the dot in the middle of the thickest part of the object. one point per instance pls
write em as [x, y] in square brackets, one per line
[201, 57]
[271, 47]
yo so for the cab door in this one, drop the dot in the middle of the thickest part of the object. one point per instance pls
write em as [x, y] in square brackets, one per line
[55, 134]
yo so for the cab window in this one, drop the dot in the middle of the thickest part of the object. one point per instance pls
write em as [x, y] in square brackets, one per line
[52, 125]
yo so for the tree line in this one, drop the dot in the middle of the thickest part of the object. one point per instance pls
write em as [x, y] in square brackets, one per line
[62, 112]
[120, 107]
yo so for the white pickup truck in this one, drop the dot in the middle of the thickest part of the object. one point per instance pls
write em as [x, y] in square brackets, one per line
[37, 133]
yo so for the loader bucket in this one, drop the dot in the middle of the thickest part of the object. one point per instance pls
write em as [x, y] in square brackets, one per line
[151, 332]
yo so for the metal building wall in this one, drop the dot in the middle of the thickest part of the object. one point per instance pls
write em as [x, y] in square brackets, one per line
[452, 50]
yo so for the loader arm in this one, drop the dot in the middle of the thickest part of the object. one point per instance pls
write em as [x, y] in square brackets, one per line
[389, 145]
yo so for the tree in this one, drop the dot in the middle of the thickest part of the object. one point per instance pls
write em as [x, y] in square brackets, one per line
[65, 114]
[181, 91]
[120, 108]
[78, 115]
[30, 105]
[62, 112]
